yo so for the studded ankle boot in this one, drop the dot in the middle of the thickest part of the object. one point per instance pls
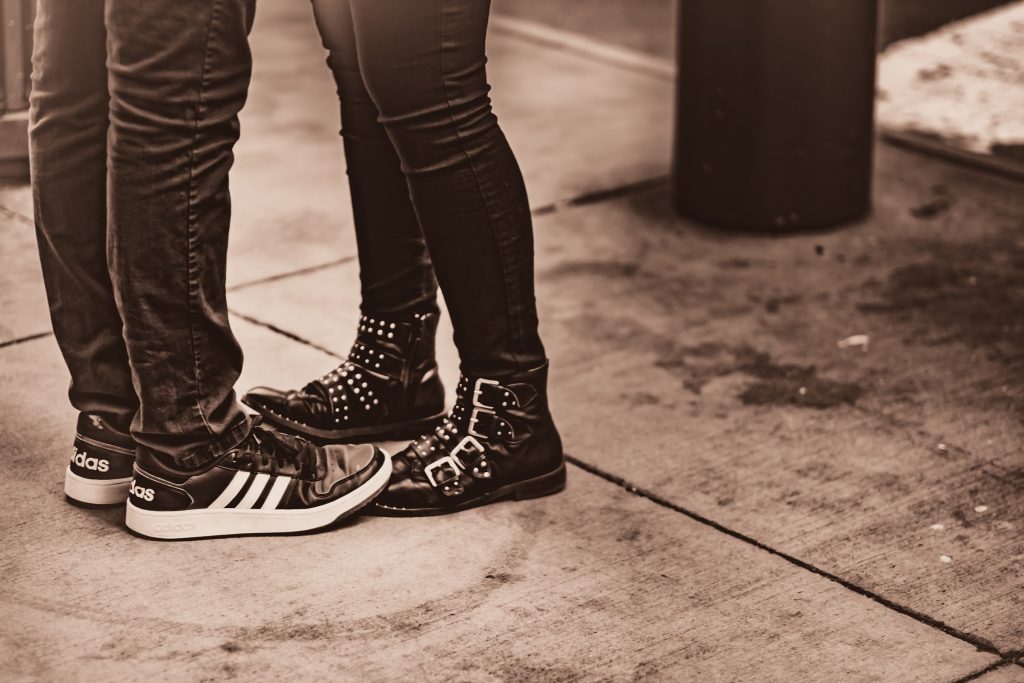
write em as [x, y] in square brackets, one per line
[498, 442]
[388, 388]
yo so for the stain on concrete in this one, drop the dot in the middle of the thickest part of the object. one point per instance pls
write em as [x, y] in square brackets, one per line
[773, 304]
[800, 386]
[640, 398]
[776, 383]
[628, 535]
[602, 269]
[940, 202]
[935, 73]
[519, 669]
[971, 293]
[503, 577]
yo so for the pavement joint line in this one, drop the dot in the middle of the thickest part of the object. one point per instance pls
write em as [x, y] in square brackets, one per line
[292, 273]
[584, 199]
[1008, 660]
[12, 214]
[575, 43]
[285, 333]
[598, 196]
[978, 642]
[991, 164]
[27, 338]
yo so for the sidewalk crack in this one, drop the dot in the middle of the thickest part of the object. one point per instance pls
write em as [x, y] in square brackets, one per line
[285, 333]
[977, 641]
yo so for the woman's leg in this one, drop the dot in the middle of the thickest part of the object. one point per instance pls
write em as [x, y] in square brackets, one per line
[423, 64]
[395, 272]
[388, 387]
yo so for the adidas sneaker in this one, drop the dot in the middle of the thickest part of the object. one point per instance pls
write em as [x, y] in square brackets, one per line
[101, 464]
[270, 483]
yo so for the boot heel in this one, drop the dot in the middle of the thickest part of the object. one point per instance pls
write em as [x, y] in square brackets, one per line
[542, 486]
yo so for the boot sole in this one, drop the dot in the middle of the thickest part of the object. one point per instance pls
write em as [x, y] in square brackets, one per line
[95, 492]
[210, 523]
[393, 431]
[538, 487]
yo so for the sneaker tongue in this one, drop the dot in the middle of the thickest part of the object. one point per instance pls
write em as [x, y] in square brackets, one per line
[290, 454]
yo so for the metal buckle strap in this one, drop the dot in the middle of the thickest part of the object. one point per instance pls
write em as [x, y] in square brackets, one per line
[491, 425]
[498, 395]
[452, 465]
[468, 445]
[478, 467]
[455, 464]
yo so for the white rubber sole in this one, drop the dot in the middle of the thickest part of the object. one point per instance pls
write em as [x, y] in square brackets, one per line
[95, 491]
[206, 523]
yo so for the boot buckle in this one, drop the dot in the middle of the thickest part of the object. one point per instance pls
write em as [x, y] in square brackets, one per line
[450, 485]
[478, 467]
[474, 422]
[478, 391]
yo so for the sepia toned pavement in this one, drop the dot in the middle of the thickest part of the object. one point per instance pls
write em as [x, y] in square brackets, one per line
[756, 493]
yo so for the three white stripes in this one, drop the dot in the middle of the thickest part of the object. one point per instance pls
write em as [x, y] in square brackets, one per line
[256, 489]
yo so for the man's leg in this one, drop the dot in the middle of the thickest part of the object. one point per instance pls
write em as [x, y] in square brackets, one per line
[68, 136]
[178, 74]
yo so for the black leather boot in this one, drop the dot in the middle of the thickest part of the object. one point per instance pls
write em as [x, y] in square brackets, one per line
[498, 442]
[388, 388]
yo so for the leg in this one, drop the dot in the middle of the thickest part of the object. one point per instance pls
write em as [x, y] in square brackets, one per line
[68, 136]
[178, 74]
[423, 63]
[400, 394]
[395, 271]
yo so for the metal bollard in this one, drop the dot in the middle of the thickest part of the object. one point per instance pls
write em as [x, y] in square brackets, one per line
[15, 68]
[775, 112]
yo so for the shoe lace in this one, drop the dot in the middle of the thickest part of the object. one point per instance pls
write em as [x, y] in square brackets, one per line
[268, 449]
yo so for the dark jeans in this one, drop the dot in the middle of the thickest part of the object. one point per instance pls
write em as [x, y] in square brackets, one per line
[435, 187]
[133, 117]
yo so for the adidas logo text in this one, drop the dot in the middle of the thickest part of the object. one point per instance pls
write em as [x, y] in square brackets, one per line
[139, 492]
[82, 459]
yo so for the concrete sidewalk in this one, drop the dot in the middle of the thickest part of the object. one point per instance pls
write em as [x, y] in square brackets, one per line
[750, 499]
